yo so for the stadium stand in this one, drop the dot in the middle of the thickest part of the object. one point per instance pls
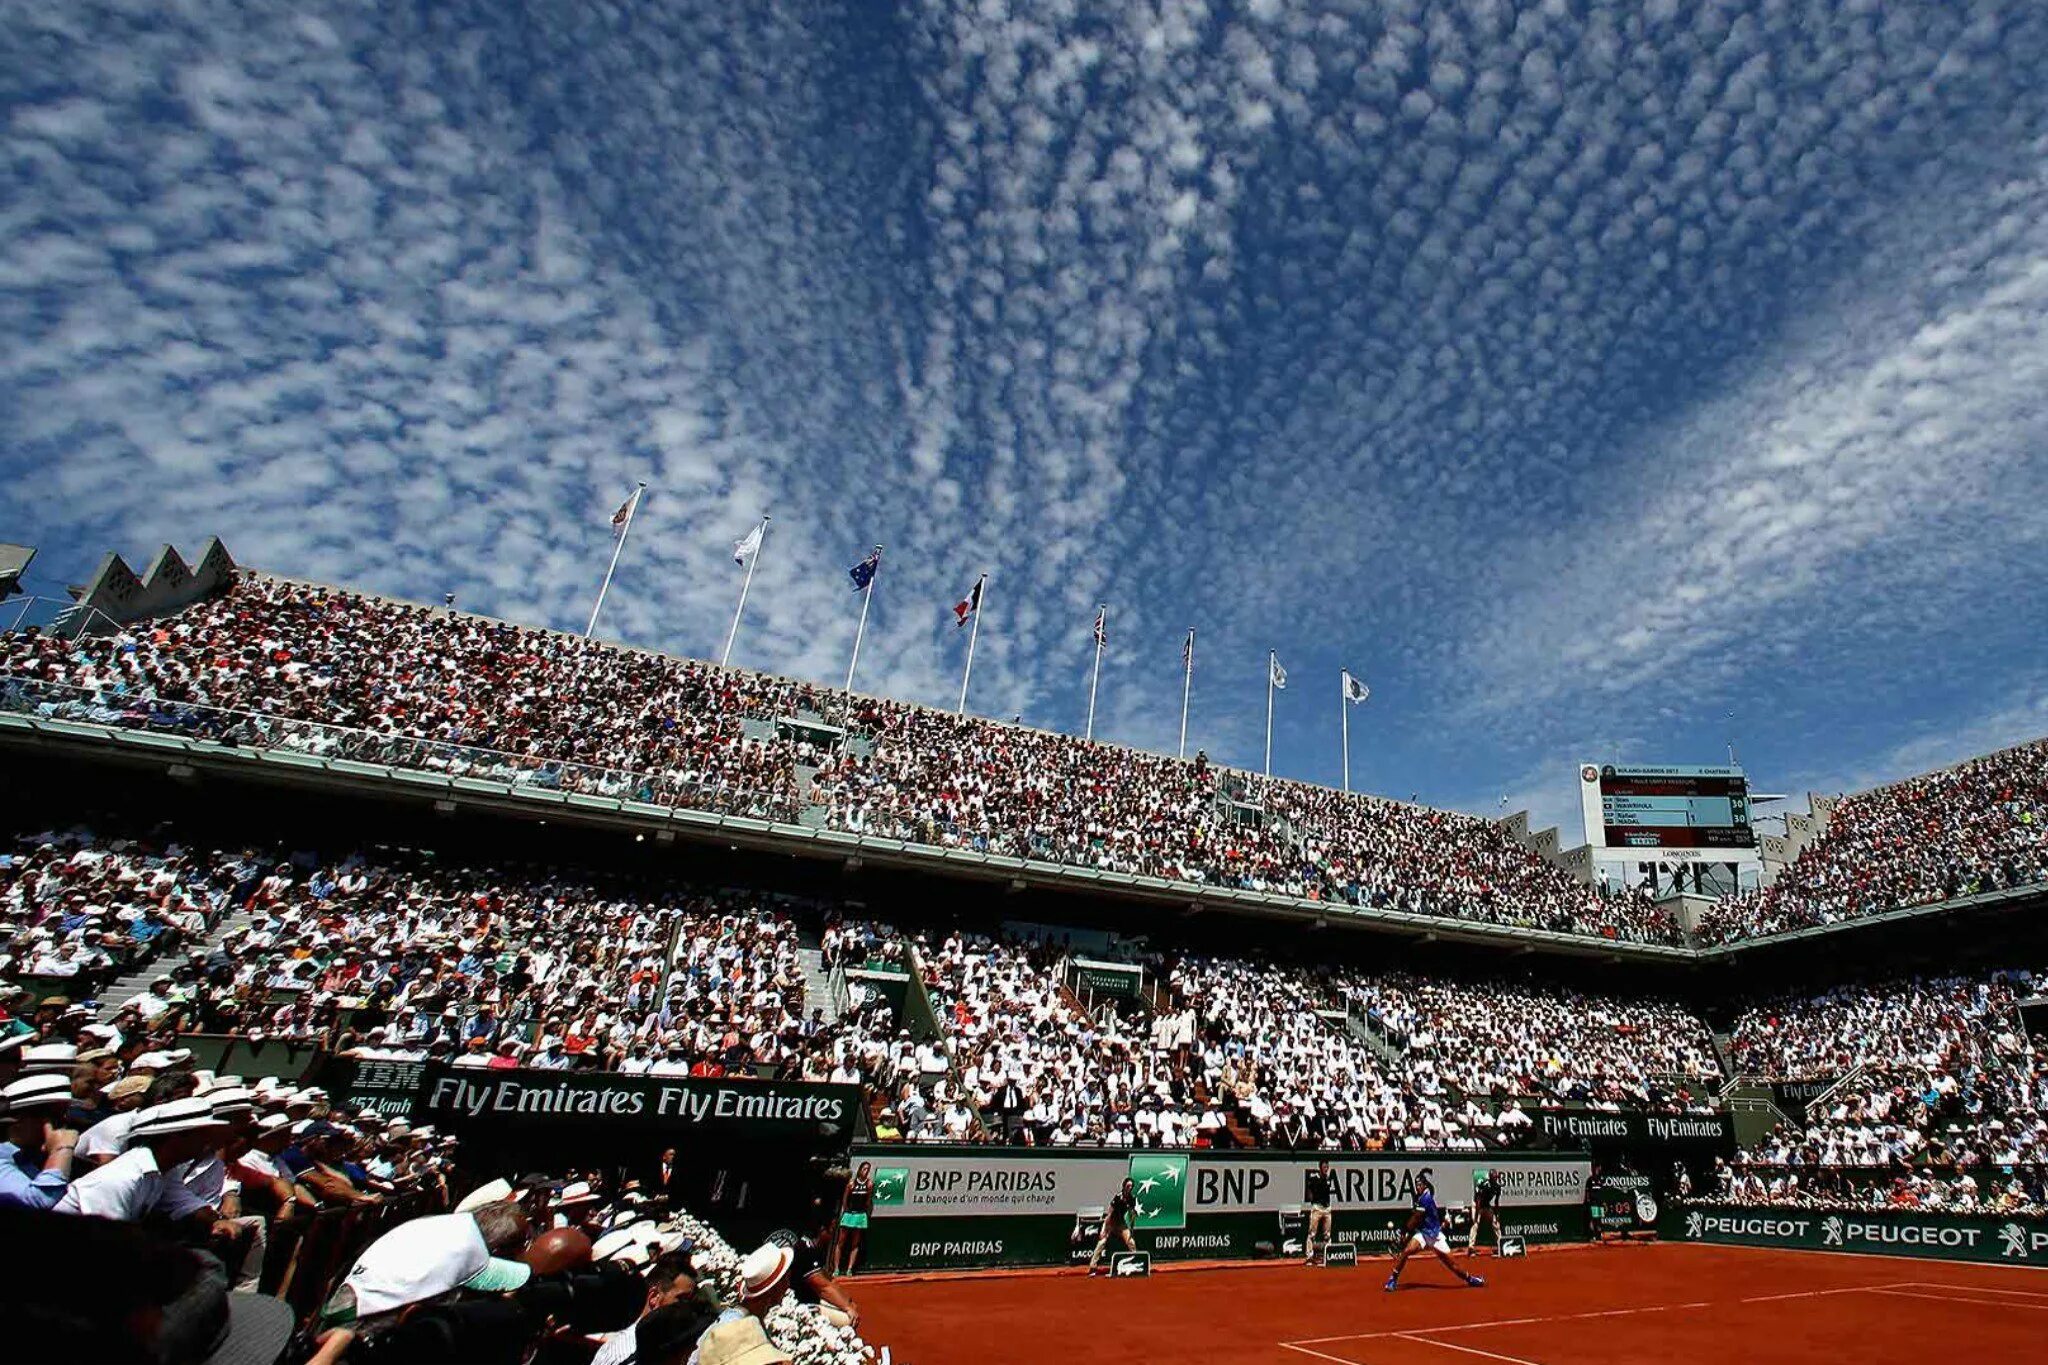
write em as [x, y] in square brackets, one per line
[302, 666]
[1493, 1040]
[1979, 826]
[1937, 1073]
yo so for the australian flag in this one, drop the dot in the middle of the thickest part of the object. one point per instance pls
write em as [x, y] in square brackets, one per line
[864, 572]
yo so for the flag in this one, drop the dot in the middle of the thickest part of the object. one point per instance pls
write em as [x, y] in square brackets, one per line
[746, 545]
[1102, 627]
[864, 572]
[625, 513]
[1278, 676]
[967, 606]
[1187, 650]
[1354, 690]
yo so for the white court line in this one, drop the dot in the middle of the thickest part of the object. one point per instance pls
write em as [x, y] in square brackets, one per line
[1502, 1322]
[1896, 1287]
[1319, 1355]
[1971, 1288]
[1957, 1298]
[1819, 1293]
[1468, 1350]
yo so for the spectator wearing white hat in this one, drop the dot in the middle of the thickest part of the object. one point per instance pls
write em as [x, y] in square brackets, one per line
[141, 1181]
[266, 1187]
[35, 1161]
[239, 1239]
[108, 1138]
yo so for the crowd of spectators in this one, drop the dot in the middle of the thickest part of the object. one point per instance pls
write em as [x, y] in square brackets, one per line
[1979, 826]
[177, 1214]
[2005, 1190]
[1935, 1074]
[76, 911]
[1493, 1041]
[281, 663]
[106, 1127]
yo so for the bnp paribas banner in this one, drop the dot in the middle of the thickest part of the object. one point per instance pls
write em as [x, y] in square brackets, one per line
[1023, 1206]
[2008, 1239]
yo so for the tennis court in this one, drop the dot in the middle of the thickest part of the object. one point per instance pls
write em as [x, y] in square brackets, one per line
[1579, 1305]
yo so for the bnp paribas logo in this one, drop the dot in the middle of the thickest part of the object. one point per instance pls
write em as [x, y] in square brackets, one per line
[891, 1182]
[1161, 1186]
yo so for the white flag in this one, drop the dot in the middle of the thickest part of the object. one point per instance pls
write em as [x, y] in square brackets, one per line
[1279, 676]
[746, 545]
[1354, 690]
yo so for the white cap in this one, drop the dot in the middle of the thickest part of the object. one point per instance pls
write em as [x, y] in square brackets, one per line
[37, 1092]
[179, 1116]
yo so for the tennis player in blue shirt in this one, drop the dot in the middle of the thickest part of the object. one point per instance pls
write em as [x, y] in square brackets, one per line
[1426, 1233]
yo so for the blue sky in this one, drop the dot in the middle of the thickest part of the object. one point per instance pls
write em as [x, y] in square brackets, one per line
[1596, 380]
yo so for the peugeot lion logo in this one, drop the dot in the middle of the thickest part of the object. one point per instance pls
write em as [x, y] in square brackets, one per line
[1695, 1223]
[1831, 1232]
[2015, 1239]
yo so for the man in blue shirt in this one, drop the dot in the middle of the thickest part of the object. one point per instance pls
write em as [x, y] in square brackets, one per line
[35, 1161]
[1426, 1233]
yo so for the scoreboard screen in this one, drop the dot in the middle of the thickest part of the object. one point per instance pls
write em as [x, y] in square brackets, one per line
[1654, 808]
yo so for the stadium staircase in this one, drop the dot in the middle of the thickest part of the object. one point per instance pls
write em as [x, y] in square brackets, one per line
[1361, 1027]
[136, 982]
[823, 989]
[810, 814]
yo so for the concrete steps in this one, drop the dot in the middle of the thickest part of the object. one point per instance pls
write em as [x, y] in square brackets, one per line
[818, 992]
[136, 982]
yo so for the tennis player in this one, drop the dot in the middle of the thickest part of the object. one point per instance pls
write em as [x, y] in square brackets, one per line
[1426, 1233]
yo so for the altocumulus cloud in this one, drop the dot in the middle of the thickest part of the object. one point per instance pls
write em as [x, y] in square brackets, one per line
[1579, 373]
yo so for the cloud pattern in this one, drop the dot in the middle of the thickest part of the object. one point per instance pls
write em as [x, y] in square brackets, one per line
[1593, 378]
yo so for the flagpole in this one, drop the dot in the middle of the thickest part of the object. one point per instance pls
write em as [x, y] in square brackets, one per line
[867, 595]
[1187, 683]
[1101, 626]
[632, 511]
[1344, 710]
[1272, 658]
[974, 630]
[745, 583]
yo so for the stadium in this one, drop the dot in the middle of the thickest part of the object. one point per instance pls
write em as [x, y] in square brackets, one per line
[897, 682]
[240, 846]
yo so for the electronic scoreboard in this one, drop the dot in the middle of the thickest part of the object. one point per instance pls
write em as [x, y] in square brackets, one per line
[1667, 811]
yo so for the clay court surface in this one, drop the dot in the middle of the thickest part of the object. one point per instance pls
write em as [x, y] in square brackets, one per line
[1568, 1306]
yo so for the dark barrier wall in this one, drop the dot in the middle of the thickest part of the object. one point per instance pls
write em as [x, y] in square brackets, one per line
[752, 1155]
[987, 1206]
[1996, 1239]
[487, 1102]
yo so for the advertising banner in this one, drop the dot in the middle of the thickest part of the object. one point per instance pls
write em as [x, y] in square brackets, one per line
[1792, 1097]
[1024, 1206]
[1637, 1129]
[457, 1098]
[1997, 1239]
